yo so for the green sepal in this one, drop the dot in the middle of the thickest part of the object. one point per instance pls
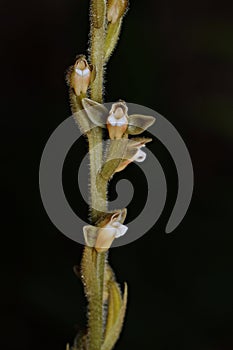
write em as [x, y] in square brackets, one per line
[96, 112]
[139, 123]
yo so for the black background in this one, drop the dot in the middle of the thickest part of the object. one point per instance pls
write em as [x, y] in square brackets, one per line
[174, 57]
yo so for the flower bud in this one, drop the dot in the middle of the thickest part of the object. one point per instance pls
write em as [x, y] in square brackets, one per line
[117, 121]
[116, 9]
[81, 76]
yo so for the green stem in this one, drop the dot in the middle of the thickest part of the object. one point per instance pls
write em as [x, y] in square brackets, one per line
[93, 293]
[100, 267]
[98, 33]
[98, 200]
[98, 206]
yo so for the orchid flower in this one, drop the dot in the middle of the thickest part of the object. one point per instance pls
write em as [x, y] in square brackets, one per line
[135, 154]
[102, 237]
[82, 74]
[117, 120]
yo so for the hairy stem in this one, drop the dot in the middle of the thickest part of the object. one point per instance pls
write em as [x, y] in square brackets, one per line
[98, 23]
[98, 200]
[98, 28]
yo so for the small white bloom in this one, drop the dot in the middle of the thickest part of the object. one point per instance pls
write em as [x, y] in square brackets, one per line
[81, 76]
[102, 237]
[133, 152]
[119, 229]
[139, 157]
[107, 234]
[117, 121]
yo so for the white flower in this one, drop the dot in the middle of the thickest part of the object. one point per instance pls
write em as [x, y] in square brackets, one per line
[81, 76]
[117, 117]
[102, 237]
[117, 121]
[133, 153]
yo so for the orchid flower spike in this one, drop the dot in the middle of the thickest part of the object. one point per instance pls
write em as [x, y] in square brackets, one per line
[102, 237]
[117, 121]
[81, 76]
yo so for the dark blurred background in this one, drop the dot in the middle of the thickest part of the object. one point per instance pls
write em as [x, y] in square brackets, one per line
[176, 58]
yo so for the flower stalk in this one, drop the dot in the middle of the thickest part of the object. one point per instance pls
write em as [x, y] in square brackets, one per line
[106, 304]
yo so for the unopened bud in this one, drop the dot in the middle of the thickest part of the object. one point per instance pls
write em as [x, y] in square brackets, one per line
[116, 9]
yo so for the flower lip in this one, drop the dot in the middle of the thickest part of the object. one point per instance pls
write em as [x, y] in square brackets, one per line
[117, 121]
[140, 156]
[120, 230]
[82, 72]
[81, 67]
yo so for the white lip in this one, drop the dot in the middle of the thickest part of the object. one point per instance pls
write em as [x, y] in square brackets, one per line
[81, 72]
[140, 156]
[110, 231]
[117, 122]
[121, 230]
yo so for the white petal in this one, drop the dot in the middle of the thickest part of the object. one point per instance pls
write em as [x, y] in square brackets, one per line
[117, 122]
[82, 72]
[140, 156]
[115, 224]
[112, 120]
[122, 121]
[121, 230]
